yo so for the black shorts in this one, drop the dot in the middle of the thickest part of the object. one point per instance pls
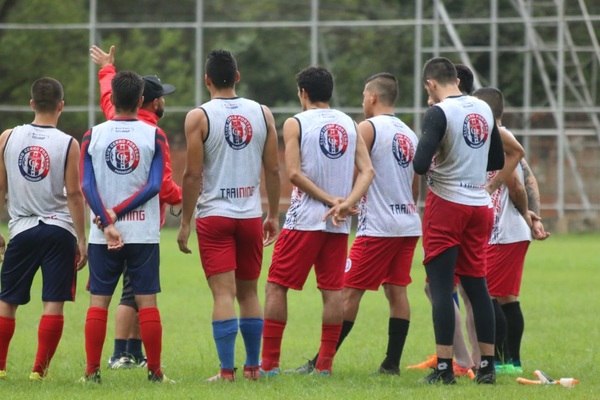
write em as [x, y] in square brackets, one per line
[47, 246]
[127, 296]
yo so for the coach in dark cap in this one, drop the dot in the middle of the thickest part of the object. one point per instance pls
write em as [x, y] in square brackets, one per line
[154, 90]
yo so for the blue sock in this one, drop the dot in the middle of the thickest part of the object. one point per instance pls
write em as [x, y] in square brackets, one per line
[120, 348]
[455, 297]
[225, 332]
[251, 329]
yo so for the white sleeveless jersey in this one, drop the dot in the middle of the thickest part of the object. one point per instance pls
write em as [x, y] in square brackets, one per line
[388, 208]
[458, 171]
[509, 224]
[328, 148]
[233, 151]
[122, 152]
[35, 158]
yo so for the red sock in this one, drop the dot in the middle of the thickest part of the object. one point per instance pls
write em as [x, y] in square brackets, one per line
[271, 351]
[151, 332]
[330, 333]
[7, 329]
[49, 333]
[95, 333]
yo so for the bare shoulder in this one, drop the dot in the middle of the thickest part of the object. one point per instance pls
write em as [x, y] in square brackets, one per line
[4, 137]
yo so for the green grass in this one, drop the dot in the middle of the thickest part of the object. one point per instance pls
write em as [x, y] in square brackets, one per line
[559, 299]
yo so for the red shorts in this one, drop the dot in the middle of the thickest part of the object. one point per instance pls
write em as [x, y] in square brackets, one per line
[505, 268]
[447, 224]
[297, 251]
[229, 244]
[375, 261]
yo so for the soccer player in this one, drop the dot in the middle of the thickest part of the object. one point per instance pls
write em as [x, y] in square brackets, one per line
[459, 144]
[322, 148]
[39, 176]
[515, 220]
[122, 162]
[389, 225]
[229, 138]
[464, 359]
[128, 344]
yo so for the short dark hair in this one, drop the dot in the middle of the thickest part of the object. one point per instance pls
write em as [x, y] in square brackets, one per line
[386, 87]
[439, 69]
[317, 82]
[465, 75]
[494, 98]
[47, 94]
[127, 88]
[221, 68]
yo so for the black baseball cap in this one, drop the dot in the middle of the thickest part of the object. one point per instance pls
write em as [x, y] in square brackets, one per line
[153, 88]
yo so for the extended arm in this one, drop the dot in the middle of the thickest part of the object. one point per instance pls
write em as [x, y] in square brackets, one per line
[107, 71]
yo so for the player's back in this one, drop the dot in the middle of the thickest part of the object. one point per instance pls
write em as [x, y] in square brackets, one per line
[35, 159]
[458, 172]
[388, 208]
[327, 148]
[233, 154]
[122, 152]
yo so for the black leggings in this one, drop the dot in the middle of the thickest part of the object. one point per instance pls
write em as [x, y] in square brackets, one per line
[440, 272]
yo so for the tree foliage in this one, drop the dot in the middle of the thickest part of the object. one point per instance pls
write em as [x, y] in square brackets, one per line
[268, 57]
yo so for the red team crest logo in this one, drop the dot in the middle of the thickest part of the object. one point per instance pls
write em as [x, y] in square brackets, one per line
[34, 163]
[475, 130]
[238, 132]
[122, 156]
[333, 140]
[403, 150]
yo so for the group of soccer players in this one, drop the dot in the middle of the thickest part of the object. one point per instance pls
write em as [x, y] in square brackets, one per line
[338, 169]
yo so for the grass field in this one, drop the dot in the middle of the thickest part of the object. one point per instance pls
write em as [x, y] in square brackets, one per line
[559, 300]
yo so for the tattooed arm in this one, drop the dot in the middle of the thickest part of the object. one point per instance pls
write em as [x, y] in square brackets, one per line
[533, 202]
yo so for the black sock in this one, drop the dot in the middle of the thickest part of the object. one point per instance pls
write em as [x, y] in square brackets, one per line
[134, 347]
[499, 350]
[486, 365]
[515, 328]
[120, 348]
[445, 365]
[346, 328]
[397, 331]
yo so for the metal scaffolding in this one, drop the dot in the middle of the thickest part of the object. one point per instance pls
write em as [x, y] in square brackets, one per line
[567, 71]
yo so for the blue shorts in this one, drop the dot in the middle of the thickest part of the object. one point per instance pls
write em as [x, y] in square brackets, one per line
[106, 268]
[47, 246]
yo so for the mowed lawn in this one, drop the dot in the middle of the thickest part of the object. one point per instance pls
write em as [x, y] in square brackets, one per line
[559, 297]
